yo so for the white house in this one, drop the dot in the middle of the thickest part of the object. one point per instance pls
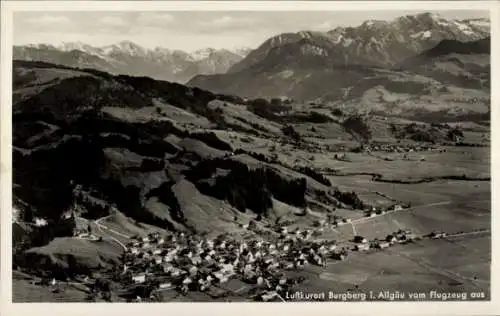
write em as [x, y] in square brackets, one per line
[260, 280]
[220, 277]
[139, 278]
[193, 270]
[269, 296]
[196, 260]
[165, 285]
[168, 268]
[157, 259]
[168, 258]
[274, 265]
[362, 247]
[227, 268]
[39, 222]
[134, 250]
[383, 244]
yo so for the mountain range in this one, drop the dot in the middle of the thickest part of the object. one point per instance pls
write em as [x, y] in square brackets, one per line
[407, 66]
[129, 58]
[423, 51]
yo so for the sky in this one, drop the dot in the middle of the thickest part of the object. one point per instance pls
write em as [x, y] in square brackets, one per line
[189, 30]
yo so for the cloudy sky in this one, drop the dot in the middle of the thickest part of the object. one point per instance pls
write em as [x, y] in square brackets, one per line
[188, 30]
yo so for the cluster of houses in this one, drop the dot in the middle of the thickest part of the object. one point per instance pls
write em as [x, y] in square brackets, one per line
[194, 263]
[374, 211]
[437, 235]
[400, 236]
[398, 148]
[85, 234]
[334, 220]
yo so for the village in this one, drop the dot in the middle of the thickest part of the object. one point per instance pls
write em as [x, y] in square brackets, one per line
[267, 261]
[187, 263]
[196, 264]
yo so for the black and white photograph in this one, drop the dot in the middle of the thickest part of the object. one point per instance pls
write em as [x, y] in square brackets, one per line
[250, 155]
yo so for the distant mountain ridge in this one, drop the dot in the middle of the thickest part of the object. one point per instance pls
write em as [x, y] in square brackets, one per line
[373, 43]
[129, 58]
[411, 57]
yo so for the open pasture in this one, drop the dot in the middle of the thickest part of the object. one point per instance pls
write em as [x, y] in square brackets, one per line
[127, 226]
[471, 161]
[417, 194]
[451, 218]
[415, 267]
[27, 289]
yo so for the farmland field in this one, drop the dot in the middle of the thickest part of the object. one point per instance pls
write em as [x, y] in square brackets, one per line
[411, 268]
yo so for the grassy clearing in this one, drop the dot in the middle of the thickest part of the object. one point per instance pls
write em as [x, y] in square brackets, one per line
[127, 226]
[25, 290]
[409, 268]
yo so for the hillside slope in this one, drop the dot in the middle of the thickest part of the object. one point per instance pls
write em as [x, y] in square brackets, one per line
[139, 144]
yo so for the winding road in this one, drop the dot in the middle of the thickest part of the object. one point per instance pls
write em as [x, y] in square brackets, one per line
[105, 230]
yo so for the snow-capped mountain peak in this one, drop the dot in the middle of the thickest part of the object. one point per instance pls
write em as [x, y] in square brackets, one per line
[242, 51]
[69, 46]
[130, 58]
[373, 43]
[130, 48]
[202, 53]
[40, 46]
